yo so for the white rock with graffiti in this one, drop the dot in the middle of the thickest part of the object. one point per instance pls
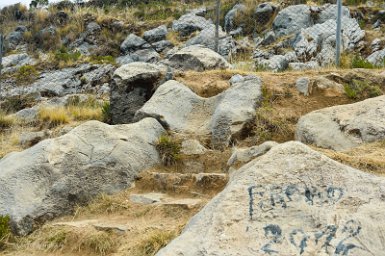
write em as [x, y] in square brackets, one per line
[290, 201]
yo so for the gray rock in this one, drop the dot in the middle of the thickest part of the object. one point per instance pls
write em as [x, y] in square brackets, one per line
[292, 19]
[145, 55]
[269, 38]
[192, 147]
[13, 62]
[329, 12]
[133, 43]
[222, 117]
[275, 63]
[345, 126]
[28, 139]
[66, 81]
[290, 201]
[13, 39]
[161, 46]
[198, 58]
[93, 27]
[264, 13]
[57, 174]
[133, 84]
[377, 58]
[376, 45]
[304, 66]
[244, 155]
[231, 15]
[190, 23]
[207, 38]
[156, 34]
[302, 85]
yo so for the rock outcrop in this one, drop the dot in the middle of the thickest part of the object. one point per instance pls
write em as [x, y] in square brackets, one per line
[290, 201]
[222, 116]
[133, 84]
[197, 58]
[57, 174]
[345, 126]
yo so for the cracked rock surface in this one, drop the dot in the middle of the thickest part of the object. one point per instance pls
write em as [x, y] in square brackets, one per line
[58, 174]
[220, 117]
[345, 126]
[290, 201]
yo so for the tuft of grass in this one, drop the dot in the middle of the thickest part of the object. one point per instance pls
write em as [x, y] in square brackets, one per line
[53, 116]
[6, 121]
[16, 103]
[106, 113]
[154, 242]
[26, 74]
[169, 150]
[359, 90]
[5, 229]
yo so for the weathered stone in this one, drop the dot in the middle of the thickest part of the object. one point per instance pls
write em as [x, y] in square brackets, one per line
[244, 155]
[156, 34]
[190, 23]
[133, 43]
[290, 201]
[275, 63]
[230, 25]
[222, 116]
[13, 62]
[28, 139]
[192, 147]
[292, 19]
[264, 13]
[162, 45]
[377, 58]
[197, 58]
[345, 126]
[302, 85]
[145, 55]
[58, 174]
[133, 84]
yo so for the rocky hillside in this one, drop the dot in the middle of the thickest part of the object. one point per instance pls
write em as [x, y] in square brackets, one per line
[126, 128]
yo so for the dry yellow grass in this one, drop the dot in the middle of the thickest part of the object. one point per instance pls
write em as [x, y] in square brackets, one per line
[367, 157]
[54, 116]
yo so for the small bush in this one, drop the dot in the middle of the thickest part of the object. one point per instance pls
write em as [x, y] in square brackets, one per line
[359, 62]
[64, 57]
[5, 229]
[359, 90]
[106, 113]
[169, 150]
[16, 103]
[26, 74]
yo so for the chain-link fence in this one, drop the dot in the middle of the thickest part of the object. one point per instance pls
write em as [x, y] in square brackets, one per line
[294, 35]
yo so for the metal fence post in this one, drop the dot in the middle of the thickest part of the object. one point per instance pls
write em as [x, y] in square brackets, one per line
[1, 56]
[217, 13]
[338, 33]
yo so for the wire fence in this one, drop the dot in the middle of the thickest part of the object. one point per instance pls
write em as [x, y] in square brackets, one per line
[289, 35]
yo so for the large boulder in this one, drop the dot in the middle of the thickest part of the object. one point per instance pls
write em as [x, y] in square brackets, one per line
[290, 201]
[230, 17]
[133, 43]
[345, 126]
[13, 62]
[156, 34]
[264, 12]
[65, 81]
[292, 19]
[55, 175]
[206, 38]
[190, 23]
[197, 58]
[377, 58]
[133, 84]
[222, 117]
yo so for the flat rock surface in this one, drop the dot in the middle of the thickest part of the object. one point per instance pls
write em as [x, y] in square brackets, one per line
[290, 201]
[55, 175]
[345, 126]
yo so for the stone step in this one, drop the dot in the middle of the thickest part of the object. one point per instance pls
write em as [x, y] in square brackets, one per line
[117, 228]
[164, 199]
[193, 184]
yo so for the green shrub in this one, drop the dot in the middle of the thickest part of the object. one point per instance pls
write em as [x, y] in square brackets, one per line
[26, 74]
[5, 229]
[169, 150]
[103, 60]
[63, 55]
[16, 103]
[106, 113]
[359, 62]
[359, 90]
